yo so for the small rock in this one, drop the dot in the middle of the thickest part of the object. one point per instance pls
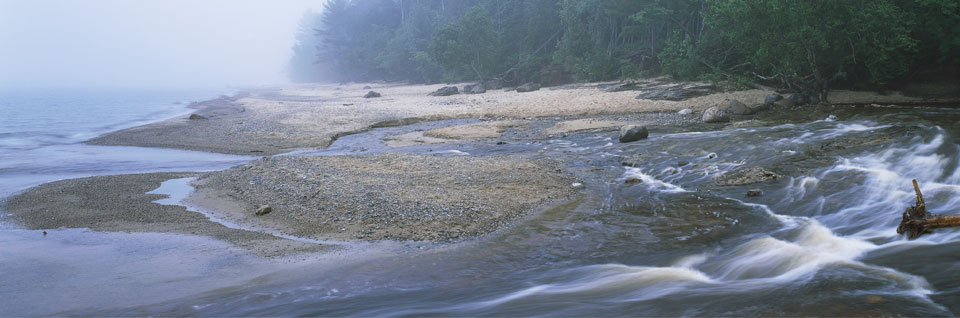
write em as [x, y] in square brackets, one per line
[632, 181]
[715, 115]
[630, 133]
[754, 193]
[445, 91]
[501, 142]
[682, 163]
[367, 87]
[371, 94]
[476, 88]
[685, 111]
[196, 117]
[264, 209]
[528, 87]
[347, 104]
[738, 108]
[711, 155]
[772, 98]
[577, 185]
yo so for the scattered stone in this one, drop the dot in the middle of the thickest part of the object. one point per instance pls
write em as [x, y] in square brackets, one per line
[685, 111]
[715, 115]
[476, 88]
[754, 193]
[737, 108]
[772, 98]
[264, 209]
[631, 133]
[445, 91]
[197, 117]
[745, 176]
[786, 103]
[528, 87]
[371, 94]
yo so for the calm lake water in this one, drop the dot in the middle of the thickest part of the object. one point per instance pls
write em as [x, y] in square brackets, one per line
[821, 239]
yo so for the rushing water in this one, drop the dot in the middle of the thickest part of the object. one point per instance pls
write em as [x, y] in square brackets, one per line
[819, 241]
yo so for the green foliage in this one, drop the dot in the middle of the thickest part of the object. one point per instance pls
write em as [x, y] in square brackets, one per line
[808, 45]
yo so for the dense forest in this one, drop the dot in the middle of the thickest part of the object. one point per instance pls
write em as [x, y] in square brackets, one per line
[805, 45]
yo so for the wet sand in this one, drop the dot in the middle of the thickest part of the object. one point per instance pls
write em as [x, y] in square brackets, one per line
[119, 203]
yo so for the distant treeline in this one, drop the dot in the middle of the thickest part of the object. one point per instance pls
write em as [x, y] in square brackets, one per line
[807, 45]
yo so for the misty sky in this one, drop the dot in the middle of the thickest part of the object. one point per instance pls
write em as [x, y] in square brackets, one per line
[147, 43]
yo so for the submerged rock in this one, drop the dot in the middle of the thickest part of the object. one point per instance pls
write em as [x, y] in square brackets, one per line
[745, 176]
[371, 94]
[264, 209]
[528, 87]
[630, 133]
[445, 91]
[715, 115]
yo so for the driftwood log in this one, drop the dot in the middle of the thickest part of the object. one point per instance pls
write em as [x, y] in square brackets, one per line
[916, 221]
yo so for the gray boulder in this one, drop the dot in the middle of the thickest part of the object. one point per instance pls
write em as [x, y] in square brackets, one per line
[737, 108]
[630, 133]
[715, 115]
[197, 117]
[445, 91]
[476, 88]
[528, 87]
[371, 94]
[772, 98]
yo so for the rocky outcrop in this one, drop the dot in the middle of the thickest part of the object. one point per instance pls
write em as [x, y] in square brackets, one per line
[631, 133]
[445, 91]
[528, 87]
[715, 115]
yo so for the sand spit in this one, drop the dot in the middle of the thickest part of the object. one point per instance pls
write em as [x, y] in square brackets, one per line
[119, 203]
[389, 196]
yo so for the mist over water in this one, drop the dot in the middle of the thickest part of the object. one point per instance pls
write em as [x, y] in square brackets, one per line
[116, 43]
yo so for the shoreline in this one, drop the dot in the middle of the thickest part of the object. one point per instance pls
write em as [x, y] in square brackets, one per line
[281, 120]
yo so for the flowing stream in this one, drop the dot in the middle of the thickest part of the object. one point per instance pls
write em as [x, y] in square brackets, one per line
[663, 235]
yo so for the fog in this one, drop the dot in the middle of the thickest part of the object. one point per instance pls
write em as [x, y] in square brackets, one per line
[152, 43]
